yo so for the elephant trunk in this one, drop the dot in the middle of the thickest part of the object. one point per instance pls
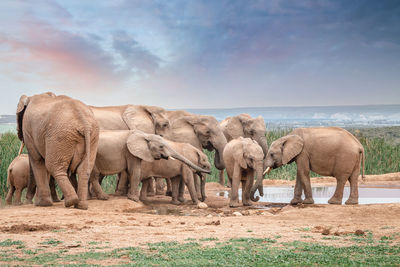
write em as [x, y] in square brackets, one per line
[258, 184]
[178, 156]
[262, 141]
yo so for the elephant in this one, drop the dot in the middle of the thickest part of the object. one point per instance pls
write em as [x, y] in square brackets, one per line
[148, 119]
[17, 178]
[61, 136]
[246, 126]
[202, 132]
[123, 151]
[243, 159]
[328, 151]
[176, 170]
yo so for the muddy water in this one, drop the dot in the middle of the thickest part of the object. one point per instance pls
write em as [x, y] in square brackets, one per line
[367, 194]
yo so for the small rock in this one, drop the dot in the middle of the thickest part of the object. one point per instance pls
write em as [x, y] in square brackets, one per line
[245, 213]
[326, 231]
[202, 205]
[209, 216]
[359, 232]
[236, 213]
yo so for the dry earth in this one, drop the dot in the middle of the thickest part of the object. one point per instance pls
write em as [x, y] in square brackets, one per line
[119, 222]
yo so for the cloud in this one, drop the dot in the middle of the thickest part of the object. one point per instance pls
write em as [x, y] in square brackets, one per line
[137, 59]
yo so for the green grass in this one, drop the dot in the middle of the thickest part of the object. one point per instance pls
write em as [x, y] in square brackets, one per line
[382, 156]
[236, 252]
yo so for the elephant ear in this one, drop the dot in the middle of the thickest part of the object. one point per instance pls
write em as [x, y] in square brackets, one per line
[292, 145]
[135, 119]
[22, 104]
[138, 146]
[239, 157]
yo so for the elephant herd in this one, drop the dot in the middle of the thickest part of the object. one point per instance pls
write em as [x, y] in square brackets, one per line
[76, 145]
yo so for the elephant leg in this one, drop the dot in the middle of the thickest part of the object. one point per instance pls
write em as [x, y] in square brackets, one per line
[160, 186]
[234, 198]
[298, 190]
[17, 198]
[122, 184]
[181, 197]
[150, 187]
[203, 188]
[303, 174]
[221, 178]
[42, 179]
[338, 195]
[74, 181]
[197, 185]
[175, 189]
[246, 189]
[83, 185]
[353, 198]
[53, 191]
[144, 189]
[169, 188]
[187, 176]
[94, 181]
[134, 179]
[31, 190]
[10, 194]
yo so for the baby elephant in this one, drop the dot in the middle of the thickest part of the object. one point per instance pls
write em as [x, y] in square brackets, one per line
[17, 178]
[329, 151]
[243, 159]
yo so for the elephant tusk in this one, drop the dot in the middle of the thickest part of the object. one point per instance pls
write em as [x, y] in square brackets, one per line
[171, 157]
[267, 171]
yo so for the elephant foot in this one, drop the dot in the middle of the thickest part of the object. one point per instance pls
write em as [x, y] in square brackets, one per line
[8, 202]
[195, 202]
[151, 194]
[233, 204]
[44, 202]
[181, 199]
[202, 199]
[159, 192]
[335, 201]
[308, 200]
[175, 202]
[247, 204]
[82, 205]
[71, 201]
[296, 201]
[133, 197]
[102, 197]
[168, 193]
[18, 203]
[120, 193]
[352, 201]
[28, 201]
[56, 200]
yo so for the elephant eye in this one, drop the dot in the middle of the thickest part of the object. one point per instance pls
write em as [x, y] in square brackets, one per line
[272, 154]
[165, 125]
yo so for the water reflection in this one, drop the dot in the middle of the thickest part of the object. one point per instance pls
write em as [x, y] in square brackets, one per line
[321, 194]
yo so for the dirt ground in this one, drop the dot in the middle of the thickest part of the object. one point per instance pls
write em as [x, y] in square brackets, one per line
[119, 222]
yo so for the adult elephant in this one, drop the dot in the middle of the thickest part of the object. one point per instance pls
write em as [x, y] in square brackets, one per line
[328, 151]
[61, 135]
[148, 119]
[244, 125]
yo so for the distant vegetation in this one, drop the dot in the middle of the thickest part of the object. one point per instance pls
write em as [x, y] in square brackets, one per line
[382, 151]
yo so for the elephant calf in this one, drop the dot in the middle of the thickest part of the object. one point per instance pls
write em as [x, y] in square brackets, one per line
[328, 151]
[177, 171]
[123, 151]
[17, 178]
[243, 159]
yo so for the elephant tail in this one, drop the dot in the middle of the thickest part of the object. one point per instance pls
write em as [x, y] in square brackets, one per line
[21, 148]
[362, 159]
[9, 177]
[87, 149]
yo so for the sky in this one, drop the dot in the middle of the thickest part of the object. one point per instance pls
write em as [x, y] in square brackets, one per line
[201, 54]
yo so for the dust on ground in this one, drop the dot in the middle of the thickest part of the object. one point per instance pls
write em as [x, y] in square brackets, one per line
[119, 222]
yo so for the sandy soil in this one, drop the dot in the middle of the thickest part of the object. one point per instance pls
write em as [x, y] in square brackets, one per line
[120, 222]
